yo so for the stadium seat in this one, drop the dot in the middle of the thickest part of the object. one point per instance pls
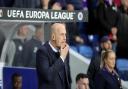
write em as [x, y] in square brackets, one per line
[74, 48]
[122, 67]
[122, 64]
[86, 51]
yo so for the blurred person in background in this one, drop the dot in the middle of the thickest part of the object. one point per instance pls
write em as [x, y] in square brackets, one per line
[16, 81]
[76, 41]
[70, 7]
[108, 18]
[72, 29]
[124, 6]
[15, 48]
[94, 66]
[77, 4]
[44, 4]
[122, 46]
[31, 47]
[82, 81]
[107, 77]
[57, 4]
[113, 38]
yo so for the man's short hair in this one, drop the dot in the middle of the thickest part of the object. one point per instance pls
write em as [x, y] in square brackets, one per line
[81, 75]
[56, 23]
[15, 75]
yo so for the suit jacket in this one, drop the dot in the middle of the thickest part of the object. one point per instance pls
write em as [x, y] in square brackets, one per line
[107, 80]
[52, 72]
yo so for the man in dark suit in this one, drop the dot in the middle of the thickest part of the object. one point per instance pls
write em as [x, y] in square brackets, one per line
[52, 60]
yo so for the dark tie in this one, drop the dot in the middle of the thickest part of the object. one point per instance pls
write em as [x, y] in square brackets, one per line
[57, 54]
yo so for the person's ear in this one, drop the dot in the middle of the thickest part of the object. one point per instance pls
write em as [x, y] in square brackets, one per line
[53, 36]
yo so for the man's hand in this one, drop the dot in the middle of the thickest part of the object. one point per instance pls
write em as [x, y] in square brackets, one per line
[64, 50]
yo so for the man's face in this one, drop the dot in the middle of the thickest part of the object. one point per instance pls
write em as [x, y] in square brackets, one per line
[24, 30]
[107, 45]
[83, 83]
[17, 83]
[59, 34]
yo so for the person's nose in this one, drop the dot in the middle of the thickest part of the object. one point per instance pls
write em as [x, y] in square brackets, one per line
[64, 37]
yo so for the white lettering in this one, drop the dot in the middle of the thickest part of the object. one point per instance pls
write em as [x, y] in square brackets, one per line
[62, 15]
[15, 13]
[37, 14]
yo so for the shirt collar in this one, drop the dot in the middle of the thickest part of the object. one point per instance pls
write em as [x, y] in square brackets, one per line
[53, 48]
